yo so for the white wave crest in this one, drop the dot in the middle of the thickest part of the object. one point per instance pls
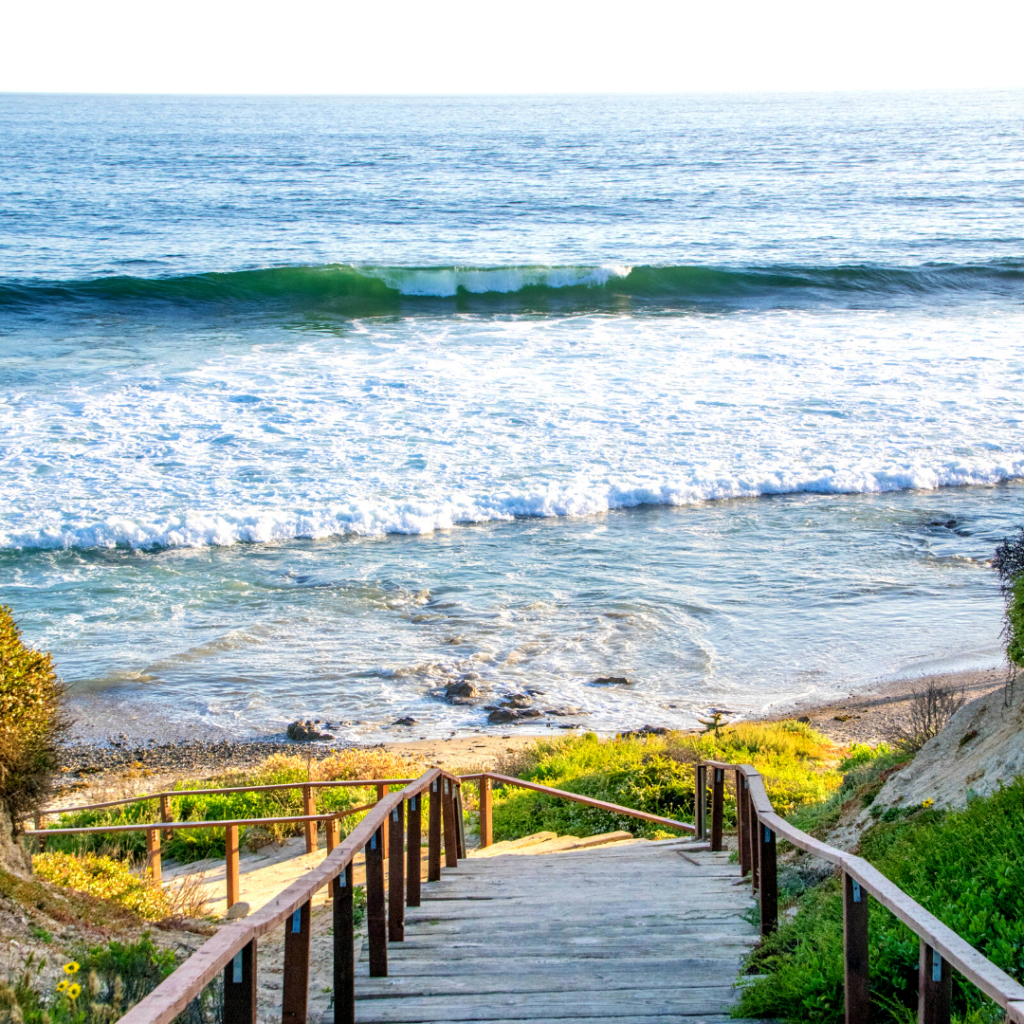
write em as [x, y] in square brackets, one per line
[442, 282]
[375, 519]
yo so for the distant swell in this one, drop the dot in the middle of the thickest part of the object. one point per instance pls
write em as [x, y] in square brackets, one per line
[378, 518]
[366, 290]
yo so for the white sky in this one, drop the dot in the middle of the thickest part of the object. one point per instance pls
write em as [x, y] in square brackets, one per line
[529, 46]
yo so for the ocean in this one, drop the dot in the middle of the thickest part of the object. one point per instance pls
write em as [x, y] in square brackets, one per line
[312, 407]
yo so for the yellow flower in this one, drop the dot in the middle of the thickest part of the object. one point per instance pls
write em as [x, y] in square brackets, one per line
[74, 989]
[71, 968]
[62, 985]
[927, 803]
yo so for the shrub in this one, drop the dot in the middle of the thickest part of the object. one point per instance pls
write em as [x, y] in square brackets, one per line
[963, 866]
[32, 721]
[105, 878]
[1009, 564]
[930, 712]
[656, 774]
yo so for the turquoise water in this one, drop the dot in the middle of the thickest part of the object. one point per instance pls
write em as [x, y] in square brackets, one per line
[311, 407]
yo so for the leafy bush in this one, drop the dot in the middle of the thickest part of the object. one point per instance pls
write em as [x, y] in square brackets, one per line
[32, 721]
[105, 878]
[966, 867]
[1009, 564]
[656, 774]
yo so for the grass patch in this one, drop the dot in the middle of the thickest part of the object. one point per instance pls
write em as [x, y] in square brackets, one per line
[656, 774]
[966, 867]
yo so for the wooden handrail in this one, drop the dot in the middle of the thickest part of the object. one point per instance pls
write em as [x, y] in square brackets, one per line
[576, 798]
[172, 995]
[151, 826]
[229, 789]
[934, 935]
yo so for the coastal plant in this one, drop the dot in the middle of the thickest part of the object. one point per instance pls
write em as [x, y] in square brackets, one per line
[106, 878]
[655, 773]
[98, 988]
[33, 721]
[963, 866]
[1009, 564]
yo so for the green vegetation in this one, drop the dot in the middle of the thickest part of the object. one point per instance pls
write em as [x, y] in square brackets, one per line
[656, 774]
[189, 845]
[1009, 564]
[966, 867]
[106, 879]
[32, 721]
[108, 981]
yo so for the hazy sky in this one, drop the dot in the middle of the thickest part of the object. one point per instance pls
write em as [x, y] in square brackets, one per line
[335, 46]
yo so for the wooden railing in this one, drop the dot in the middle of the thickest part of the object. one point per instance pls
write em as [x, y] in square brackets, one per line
[941, 948]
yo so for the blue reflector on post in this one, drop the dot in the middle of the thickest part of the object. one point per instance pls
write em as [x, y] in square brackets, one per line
[297, 921]
[856, 890]
[936, 966]
[236, 968]
[767, 834]
[373, 841]
[394, 814]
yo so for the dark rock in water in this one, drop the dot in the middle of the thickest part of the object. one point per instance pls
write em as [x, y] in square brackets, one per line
[408, 720]
[610, 681]
[562, 712]
[305, 732]
[518, 700]
[463, 688]
[534, 692]
[804, 719]
[647, 730]
[500, 716]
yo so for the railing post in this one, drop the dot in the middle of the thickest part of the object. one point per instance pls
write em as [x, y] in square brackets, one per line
[699, 787]
[376, 920]
[934, 987]
[742, 823]
[309, 807]
[769, 882]
[414, 840]
[344, 950]
[717, 797]
[39, 821]
[166, 815]
[295, 999]
[396, 874]
[231, 859]
[332, 830]
[755, 845]
[240, 987]
[434, 833]
[153, 854]
[382, 791]
[460, 821]
[486, 827]
[855, 951]
[451, 843]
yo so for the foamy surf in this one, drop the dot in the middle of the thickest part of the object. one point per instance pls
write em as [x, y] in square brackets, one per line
[269, 526]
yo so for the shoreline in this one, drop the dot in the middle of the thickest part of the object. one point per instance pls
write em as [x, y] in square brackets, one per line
[86, 770]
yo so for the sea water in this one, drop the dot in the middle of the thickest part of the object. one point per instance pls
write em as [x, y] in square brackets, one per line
[311, 407]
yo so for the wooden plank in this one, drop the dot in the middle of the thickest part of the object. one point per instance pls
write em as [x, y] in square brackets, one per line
[295, 998]
[717, 807]
[376, 920]
[231, 860]
[240, 987]
[344, 953]
[486, 826]
[309, 809]
[934, 987]
[856, 993]
[396, 874]
[434, 833]
[451, 846]
[413, 857]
